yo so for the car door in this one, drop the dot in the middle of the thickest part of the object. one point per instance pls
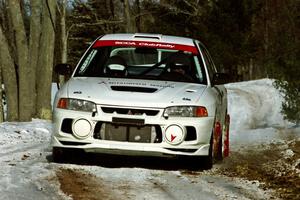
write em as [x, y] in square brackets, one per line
[220, 90]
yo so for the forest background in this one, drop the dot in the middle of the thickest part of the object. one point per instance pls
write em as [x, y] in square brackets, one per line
[248, 39]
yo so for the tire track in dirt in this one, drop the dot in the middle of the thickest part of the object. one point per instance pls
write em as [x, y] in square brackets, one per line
[81, 185]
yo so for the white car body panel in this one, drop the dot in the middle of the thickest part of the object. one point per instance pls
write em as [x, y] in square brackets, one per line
[169, 93]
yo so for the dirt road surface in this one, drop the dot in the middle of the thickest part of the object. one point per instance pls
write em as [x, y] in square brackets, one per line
[263, 172]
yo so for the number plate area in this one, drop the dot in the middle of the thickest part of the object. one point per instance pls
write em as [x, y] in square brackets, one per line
[129, 133]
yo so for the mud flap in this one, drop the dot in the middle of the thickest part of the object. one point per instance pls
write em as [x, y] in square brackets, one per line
[226, 139]
[216, 151]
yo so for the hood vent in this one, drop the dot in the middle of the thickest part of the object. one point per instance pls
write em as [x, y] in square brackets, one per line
[133, 89]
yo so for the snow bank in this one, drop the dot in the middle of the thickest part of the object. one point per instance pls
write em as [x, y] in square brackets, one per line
[255, 110]
[254, 104]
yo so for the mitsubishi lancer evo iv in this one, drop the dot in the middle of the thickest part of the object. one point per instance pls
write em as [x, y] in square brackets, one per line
[143, 95]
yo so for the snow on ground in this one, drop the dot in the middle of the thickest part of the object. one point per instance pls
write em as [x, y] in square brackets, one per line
[24, 166]
[255, 109]
[254, 106]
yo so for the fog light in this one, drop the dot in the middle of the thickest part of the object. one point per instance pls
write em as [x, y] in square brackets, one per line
[81, 128]
[174, 134]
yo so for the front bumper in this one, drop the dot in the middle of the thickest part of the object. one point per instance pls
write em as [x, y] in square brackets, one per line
[130, 149]
[196, 145]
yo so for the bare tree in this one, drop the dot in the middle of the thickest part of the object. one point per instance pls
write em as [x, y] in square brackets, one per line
[45, 62]
[26, 57]
[130, 26]
[1, 104]
[22, 60]
[34, 38]
[63, 35]
[9, 79]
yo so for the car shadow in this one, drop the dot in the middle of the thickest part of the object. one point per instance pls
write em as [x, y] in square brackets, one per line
[121, 161]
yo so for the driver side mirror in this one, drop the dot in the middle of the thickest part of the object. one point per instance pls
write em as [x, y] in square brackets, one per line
[220, 79]
[63, 69]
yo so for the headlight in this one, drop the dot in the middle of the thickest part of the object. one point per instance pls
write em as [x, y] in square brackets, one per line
[186, 111]
[76, 104]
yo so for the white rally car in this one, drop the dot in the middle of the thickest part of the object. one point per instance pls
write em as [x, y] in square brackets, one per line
[143, 94]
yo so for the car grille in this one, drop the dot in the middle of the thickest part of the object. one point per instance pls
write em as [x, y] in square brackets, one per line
[190, 133]
[128, 133]
[129, 111]
[66, 125]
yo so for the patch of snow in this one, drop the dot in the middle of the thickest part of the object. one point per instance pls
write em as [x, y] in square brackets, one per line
[254, 104]
[24, 149]
[288, 153]
[255, 110]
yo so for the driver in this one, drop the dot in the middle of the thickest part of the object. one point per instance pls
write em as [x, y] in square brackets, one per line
[179, 68]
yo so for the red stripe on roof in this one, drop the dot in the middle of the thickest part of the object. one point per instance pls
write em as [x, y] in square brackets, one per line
[159, 45]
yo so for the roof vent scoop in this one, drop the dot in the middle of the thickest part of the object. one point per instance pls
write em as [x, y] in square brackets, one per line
[147, 36]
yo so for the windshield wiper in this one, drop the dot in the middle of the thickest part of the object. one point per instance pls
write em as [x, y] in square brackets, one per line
[159, 63]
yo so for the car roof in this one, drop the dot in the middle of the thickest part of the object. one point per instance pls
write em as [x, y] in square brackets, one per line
[149, 38]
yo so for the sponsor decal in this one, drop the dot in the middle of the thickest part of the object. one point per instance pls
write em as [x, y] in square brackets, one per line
[162, 86]
[159, 45]
[124, 83]
[145, 44]
[186, 99]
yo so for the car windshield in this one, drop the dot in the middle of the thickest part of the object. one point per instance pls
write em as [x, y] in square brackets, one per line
[142, 63]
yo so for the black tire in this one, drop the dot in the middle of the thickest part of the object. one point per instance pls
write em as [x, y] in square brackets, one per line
[58, 155]
[209, 160]
[201, 162]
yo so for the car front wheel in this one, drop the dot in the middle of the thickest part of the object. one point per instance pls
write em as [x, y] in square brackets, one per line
[209, 160]
[203, 162]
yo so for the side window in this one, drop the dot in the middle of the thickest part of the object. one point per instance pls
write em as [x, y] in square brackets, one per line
[208, 62]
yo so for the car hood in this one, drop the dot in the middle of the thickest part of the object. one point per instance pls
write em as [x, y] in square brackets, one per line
[135, 92]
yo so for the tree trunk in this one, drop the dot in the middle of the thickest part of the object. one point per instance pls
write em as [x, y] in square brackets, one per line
[22, 56]
[1, 99]
[9, 79]
[251, 68]
[138, 18]
[267, 18]
[45, 63]
[130, 27]
[63, 38]
[34, 38]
